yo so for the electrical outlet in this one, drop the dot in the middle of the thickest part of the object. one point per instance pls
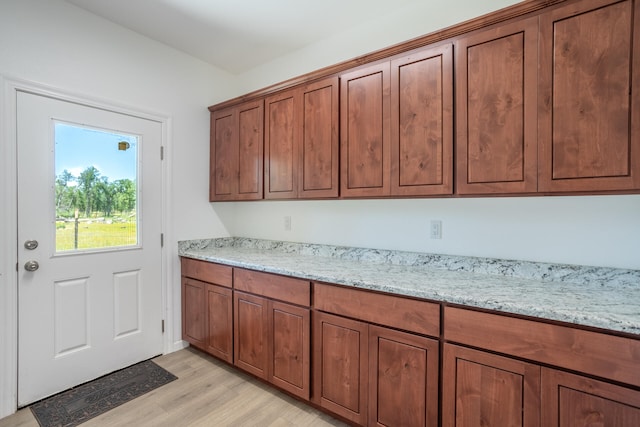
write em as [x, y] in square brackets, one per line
[435, 230]
[287, 223]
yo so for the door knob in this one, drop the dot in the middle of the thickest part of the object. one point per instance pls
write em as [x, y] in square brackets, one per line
[31, 265]
[31, 244]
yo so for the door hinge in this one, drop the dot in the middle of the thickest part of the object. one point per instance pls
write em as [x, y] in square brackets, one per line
[17, 266]
[162, 240]
[163, 326]
[162, 152]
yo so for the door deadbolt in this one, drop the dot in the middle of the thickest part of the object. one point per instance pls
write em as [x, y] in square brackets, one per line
[31, 244]
[31, 265]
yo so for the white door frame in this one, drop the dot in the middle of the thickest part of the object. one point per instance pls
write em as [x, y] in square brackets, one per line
[9, 224]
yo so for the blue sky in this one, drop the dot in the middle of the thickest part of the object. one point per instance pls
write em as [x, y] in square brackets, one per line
[77, 148]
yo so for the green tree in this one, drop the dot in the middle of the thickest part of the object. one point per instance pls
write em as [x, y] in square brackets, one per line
[125, 195]
[105, 195]
[66, 195]
[87, 183]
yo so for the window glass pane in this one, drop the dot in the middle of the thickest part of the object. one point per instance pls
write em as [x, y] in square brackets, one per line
[95, 188]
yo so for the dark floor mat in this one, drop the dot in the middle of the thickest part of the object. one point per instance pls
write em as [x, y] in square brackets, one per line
[80, 404]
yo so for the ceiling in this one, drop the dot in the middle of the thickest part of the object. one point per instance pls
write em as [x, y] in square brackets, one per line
[238, 35]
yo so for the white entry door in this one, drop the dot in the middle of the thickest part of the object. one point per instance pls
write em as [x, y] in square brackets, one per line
[89, 243]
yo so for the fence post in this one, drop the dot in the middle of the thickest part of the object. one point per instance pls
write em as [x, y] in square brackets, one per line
[75, 231]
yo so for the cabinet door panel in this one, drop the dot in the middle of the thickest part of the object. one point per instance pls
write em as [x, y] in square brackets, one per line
[365, 132]
[403, 373]
[318, 176]
[250, 333]
[340, 366]
[193, 314]
[236, 151]
[224, 154]
[573, 401]
[290, 330]
[422, 123]
[496, 105]
[281, 145]
[484, 389]
[251, 148]
[219, 312]
[589, 138]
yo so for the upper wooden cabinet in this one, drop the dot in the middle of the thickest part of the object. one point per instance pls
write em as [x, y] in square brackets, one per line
[589, 100]
[319, 167]
[365, 132]
[538, 98]
[281, 136]
[496, 84]
[237, 152]
[422, 123]
[301, 142]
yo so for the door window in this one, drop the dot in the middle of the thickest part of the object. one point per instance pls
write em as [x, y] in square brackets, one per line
[96, 192]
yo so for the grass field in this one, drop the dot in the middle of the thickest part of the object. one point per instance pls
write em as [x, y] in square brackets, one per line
[95, 235]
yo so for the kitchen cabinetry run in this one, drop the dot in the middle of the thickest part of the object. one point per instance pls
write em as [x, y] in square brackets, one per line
[272, 332]
[365, 372]
[496, 85]
[589, 100]
[207, 321]
[545, 99]
[376, 356]
[236, 152]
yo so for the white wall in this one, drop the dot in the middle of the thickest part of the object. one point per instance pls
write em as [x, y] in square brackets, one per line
[595, 230]
[413, 20]
[53, 43]
[600, 231]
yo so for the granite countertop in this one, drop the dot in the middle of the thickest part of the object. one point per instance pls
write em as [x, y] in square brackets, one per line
[591, 296]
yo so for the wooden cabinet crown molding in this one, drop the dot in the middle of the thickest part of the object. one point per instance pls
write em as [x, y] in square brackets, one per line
[505, 14]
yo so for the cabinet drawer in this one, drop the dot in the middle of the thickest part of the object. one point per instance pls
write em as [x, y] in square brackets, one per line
[599, 354]
[207, 272]
[403, 313]
[283, 288]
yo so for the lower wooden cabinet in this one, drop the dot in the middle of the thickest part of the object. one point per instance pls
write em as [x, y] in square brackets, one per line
[219, 319]
[289, 351]
[374, 364]
[373, 375]
[403, 378]
[250, 333]
[193, 313]
[570, 400]
[483, 389]
[207, 307]
[340, 365]
[272, 341]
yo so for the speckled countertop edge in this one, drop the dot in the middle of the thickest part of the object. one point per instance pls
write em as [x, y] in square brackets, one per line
[591, 296]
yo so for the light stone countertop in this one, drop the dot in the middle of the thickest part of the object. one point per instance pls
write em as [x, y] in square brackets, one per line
[591, 296]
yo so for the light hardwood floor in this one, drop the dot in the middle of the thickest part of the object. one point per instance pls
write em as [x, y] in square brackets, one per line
[206, 393]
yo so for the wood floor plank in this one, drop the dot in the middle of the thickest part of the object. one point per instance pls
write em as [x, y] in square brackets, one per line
[207, 393]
